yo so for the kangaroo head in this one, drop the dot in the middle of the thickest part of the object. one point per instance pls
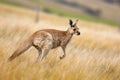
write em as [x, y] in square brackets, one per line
[73, 27]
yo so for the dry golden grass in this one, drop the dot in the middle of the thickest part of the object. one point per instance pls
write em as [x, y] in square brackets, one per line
[95, 55]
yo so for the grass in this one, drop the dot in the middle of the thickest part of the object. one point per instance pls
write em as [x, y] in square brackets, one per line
[80, 16]
[95, 55]
[13, 3]
[68, 13]
[64, 12]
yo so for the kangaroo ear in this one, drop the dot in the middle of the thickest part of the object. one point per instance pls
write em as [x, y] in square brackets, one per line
[76, 22]
[70, 22]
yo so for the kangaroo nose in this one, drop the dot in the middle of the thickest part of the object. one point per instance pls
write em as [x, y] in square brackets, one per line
[78, 33]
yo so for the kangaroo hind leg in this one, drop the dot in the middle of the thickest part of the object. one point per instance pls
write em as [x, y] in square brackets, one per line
[39, 52]
[39, 55]
[45, 50]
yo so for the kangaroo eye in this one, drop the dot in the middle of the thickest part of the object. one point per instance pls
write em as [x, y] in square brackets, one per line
[74, 29]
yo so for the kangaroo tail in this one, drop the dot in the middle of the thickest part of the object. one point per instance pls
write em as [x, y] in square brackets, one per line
[23, 47]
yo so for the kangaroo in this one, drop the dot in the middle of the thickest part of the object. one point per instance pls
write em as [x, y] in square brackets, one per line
[47, 39]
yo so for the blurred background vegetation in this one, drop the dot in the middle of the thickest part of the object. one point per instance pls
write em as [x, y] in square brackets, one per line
[101, 11]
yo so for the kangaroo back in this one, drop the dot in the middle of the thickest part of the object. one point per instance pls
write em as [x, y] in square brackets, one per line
[23, 47]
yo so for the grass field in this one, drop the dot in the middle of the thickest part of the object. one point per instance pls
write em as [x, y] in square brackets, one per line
[61, 11]
[95, 55]
[52, 8]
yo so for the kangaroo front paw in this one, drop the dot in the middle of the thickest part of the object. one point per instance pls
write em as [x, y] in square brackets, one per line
[61, 57]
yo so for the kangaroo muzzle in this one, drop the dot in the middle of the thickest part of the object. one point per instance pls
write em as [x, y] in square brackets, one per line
[78, 33]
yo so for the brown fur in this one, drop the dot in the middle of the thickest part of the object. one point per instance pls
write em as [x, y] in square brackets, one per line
[46, 39]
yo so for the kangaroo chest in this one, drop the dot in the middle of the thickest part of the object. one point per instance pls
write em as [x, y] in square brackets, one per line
[56, 42]
[59, 41]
